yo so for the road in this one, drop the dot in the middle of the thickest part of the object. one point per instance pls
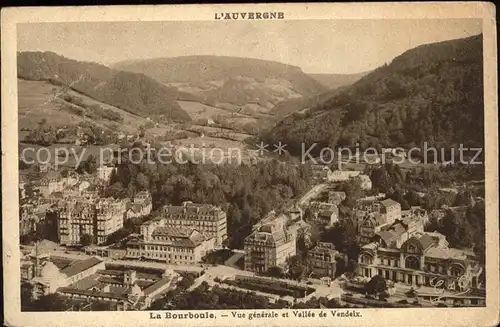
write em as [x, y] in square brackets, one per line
[312, 193]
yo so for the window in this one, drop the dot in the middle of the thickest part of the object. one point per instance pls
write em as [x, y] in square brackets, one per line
[412, 262]
[412, 248]
[366, 259]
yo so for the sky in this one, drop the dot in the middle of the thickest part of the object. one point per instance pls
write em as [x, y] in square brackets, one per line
[316, 46]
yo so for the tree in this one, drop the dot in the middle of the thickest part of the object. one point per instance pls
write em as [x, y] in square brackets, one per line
[276, 272]
[353, 191]
[376, 285]
[297, 269]
[351, 267]
[102, 306]
[117, 235]
[85, 239]
[51, 302]
[26, 295]
[142, 181]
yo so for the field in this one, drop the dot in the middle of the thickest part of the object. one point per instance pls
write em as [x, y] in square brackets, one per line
[202, 111]
[212, 148]
[37, 100]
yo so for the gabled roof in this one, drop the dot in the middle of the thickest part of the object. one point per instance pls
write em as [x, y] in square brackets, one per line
[389, 203]
[426, 241]
[391, 234]
[79, 266]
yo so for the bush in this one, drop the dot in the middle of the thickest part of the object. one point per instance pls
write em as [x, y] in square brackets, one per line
[273, 287]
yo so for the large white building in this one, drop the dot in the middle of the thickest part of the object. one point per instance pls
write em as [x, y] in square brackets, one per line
[170, 244]
[208, 219]
[97, 218]
[269, 246]
[408, 255]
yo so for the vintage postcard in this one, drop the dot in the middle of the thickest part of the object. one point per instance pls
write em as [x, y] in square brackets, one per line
[250, 164]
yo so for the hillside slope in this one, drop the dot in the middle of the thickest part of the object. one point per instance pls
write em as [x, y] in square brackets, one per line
[237, 83]
[432, 93]
[132, 92]
[334, 81]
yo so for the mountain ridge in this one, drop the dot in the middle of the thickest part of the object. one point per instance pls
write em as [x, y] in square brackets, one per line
[256, 84]
[136, 93]
[432, 93]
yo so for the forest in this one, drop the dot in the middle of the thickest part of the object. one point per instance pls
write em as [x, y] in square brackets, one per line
[432, 93]
[245, 192]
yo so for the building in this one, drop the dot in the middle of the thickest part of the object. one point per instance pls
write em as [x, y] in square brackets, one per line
[110, 215]
[205, 218]
[170, 244]
[372, 216]
[76, 218]
[50, 183]
[340, 176]
[320, 172]
[323, 213]
[369, 226]
[417, 258]
[141, 206]
[269, 246]
[48, 276]
[323, 260]
[24, 184]
[122, 289]
[416, 212]
[104, 172]
[366, 182]
[391, 209]
[96, 218]
[336, 197]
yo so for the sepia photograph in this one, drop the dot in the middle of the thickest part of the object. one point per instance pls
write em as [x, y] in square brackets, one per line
[251, 164]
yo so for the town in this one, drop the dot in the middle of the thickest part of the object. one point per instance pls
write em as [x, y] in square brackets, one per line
[132, 237]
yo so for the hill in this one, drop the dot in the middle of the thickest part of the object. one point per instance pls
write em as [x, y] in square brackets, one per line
[334, 81]
[132, 92]
[432, 93]
[253, 85]
[40, 99]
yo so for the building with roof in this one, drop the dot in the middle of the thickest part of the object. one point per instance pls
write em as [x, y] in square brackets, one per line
[323, 213]
[171, 244]
[130, 289]
[414, 257]
[104, 172]
[391, 209]
[336, 197]
[48, 276]
[372, 216]
[205, 218]
[323, 260]
[110, 214]
[140, 206]
[95, 217]
[417, 213]
[320, 172]
[338, 176]
[270, 245]
[366, 182]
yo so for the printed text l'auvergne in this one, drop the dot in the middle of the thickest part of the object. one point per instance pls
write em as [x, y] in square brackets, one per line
[249, 15]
